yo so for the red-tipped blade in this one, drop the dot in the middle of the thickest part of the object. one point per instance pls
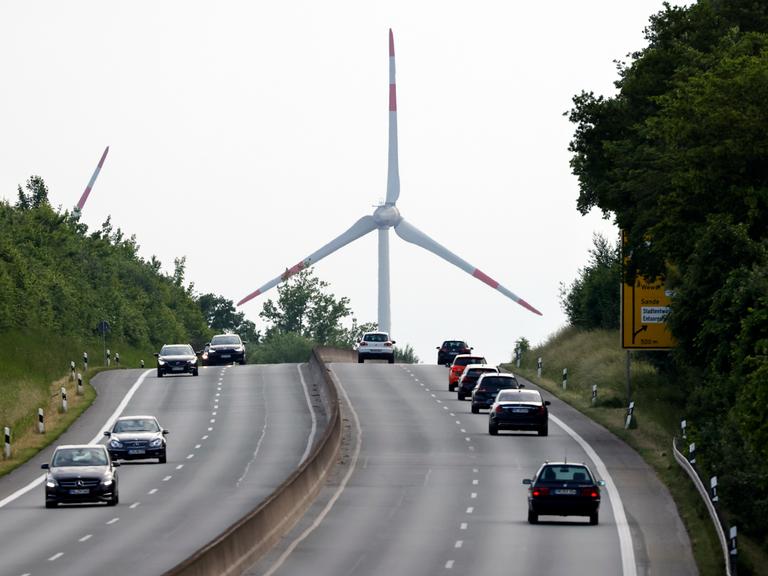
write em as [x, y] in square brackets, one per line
[92, 181]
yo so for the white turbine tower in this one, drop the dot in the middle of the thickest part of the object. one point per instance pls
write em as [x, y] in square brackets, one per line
[79, 208]
[383, 218]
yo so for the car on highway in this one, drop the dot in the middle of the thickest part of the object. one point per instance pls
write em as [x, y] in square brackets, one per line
[375, 345]
[563, 489]
[519, 409]
[488, 386]
[457, 367]
[137, 438]
[449, 349]
[81, 473]
[469, 378]
[176, 359]
[224, 349]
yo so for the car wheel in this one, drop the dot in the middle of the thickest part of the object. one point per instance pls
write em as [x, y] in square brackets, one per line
[194, 372]
[451, 387]
[49, 504]
[593, 519]
[391, 360]
[159, 374]
[533, 518]
[460, 395]
[114, 500]
[475, 409]
[493, 429]
[162, 458]
[360, 360]
[544, 430]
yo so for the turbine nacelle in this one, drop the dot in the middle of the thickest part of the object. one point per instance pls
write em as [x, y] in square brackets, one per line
[387, 216]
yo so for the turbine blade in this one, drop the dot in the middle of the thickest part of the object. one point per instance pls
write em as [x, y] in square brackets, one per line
[92, 181]
[360, 228]
[411, 234]
[393, 173]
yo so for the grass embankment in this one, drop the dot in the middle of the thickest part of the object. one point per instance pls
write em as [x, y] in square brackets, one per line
[595, 357]
[34, 366]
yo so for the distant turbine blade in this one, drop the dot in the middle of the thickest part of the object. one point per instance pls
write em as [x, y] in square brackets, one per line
[92, 181]
[360, 228]
[393, 173]
[411, 234]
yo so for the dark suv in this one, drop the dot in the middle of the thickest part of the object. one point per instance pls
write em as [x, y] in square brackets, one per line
[224, 349]
[470, 376]
[450, 348]
[176, 359]
[488, 386]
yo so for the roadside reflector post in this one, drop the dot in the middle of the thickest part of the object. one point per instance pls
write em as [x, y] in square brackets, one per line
[630, 415]
[117, 359]
[109, 357]
[85, 361]
[40, 421]
[64, 406]
[733, 551]
[713, 486]
[594, 395]
[142, 363]
[538, 367]
[79, 384]
[72, 370]
[683, 426]
[692, 453]
[7, 450]
[565, 378]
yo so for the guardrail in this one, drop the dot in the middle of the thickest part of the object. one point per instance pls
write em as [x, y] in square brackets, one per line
[691, 471]
[246, 541]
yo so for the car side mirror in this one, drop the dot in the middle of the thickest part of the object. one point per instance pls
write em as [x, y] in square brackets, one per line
[601, 482]
[157, 354]
[527, 481]
[521, 385]
[437, 347]
[394, 342]
[547, 403]
[107, 433]
[165, 432]
[115, 464]
[45, 466]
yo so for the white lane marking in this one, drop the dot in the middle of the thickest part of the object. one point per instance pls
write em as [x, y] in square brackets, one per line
[463, 430]
[445, 407]
[113, 521]
[439, 401]
[213, 413]
[85, 538]
[433, 395]
[468, 439]
[475, 482]
[475, 470]
[471, 448]
[190, 456]
[120, 407]
[180, 466]
[427, 475]
[167, 478]
[213, 420]
[210, 429]
[197, 446]
[152, 491]
[622, 526]
[426, 389]
[470, 510]
[463, 526]
[449, 565]
[352, 465]
[459, 544]
[473, 495]
[457, 421]
[204, 437]
[134, 505]
[55, 556]
[313, 430]
[453, 414]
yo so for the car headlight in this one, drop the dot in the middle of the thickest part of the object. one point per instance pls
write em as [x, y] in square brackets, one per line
[161, 362]
[106, 482]
[115, 443]
[156, 442]
[239, 349]
[50, 482]
[193, 361]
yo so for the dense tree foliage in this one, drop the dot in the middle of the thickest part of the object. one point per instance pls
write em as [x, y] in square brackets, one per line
[679, 158]
[221, 317]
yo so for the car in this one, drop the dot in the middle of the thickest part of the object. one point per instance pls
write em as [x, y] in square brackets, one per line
[81, 473]
[457, 367]
[137, 437]
[449, 349]
[488, 386]
[176, 359]
[563, 489]
[375, 345]
[519, 410]
[469, 377]
[224, 349]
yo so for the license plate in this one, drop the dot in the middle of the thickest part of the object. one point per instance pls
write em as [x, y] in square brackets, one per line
[79, 491]
[137, 452]
[226, 355]
[565, 491]
[177, 368]
[520, 410]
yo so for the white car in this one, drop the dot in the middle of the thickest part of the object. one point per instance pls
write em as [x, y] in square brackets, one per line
[375, 345]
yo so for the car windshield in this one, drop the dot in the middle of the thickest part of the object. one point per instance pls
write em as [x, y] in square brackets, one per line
[454, 344]
[228, 339]
[519, 396]
[136, 425]
[80, 457]
[376, 337]
[565, 473]
[177, 350]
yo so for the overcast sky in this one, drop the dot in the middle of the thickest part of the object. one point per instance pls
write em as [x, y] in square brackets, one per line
[245, 135]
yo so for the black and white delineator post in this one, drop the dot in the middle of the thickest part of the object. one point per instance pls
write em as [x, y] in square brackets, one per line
[85, 361]
[64, 406]
[538, 367]
[117, 359]
[630, 414]
[72, 370]
[40, 421]
[518, 356]
[594, 394]
[142, 363]
[713, 486]
[733, 551]
[79, 384]
[7, 450]
[565, 378]
[109, 357]
[683, 426]
[692, 453]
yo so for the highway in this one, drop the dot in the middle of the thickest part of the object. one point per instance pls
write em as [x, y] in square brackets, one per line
[235, 434]
[425, 490]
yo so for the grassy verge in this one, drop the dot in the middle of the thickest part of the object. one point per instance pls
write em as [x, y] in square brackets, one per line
[595, 357]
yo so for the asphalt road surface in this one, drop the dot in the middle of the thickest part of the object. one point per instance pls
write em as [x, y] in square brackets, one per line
[425, 490]
[235, 434]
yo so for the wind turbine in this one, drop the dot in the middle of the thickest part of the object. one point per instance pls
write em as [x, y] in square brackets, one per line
[387, 216]
[79, 207]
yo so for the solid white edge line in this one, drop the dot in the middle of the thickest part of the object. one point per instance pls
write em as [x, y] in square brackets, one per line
[39, 480]
[352, 466]
[311, 439]
[622, 526]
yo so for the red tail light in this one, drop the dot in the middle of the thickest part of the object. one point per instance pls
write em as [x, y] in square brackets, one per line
[542, 410]
[499, 409]
[590, 492]
[540, 491]
[388, 344]
[363, 344]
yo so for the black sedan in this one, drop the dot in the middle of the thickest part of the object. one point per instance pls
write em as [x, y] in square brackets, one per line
[563, 489]
[448, 350]
[176, 359]
[519, 410]
[470, 376]
[224, 349]
[80, 473]
[488, 387]
[137, 438]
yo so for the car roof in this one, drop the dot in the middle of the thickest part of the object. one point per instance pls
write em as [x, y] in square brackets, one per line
[523, 392]
[376, 332]
[136, 416]
[67, 446]
[471, 366]
[499, 374]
